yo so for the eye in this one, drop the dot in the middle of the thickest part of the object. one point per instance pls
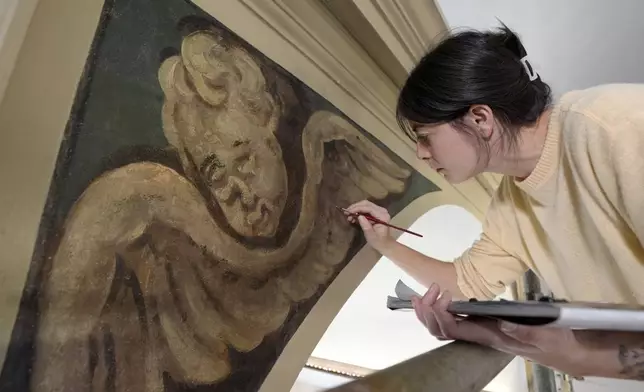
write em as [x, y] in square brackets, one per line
[423, 139]
[239, 142]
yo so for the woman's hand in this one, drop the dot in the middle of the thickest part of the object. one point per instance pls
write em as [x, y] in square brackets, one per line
[554, 347]
[378, 236]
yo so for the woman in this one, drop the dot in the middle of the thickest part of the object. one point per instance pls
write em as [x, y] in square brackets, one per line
[570, 206]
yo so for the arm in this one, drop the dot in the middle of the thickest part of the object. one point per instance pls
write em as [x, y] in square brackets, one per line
[579, 353]
[482, 272]
[426, 270]
[612, 354]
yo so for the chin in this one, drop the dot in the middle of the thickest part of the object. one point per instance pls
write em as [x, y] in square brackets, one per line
[268, 231]
[454, 180]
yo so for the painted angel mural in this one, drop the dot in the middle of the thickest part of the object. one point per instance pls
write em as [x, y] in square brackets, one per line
[161, 273]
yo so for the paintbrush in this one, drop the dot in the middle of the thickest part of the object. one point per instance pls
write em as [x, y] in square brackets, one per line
[375, 220]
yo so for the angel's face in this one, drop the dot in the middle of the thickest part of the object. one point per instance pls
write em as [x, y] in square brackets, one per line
[221, 117]
[244, 171]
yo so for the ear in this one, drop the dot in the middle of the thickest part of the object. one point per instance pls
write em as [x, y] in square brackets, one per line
[481, 119]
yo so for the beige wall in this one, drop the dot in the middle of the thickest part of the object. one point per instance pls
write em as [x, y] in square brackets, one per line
[15, 16]
[41, 89]
[33, 115]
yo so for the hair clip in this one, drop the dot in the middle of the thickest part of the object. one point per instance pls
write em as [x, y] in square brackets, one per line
[528, 68]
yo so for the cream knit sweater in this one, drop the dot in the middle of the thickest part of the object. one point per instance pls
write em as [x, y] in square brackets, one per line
[578, 220]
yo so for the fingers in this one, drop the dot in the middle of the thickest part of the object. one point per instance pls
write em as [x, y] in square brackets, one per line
[432, 312]
[367, 207]
[365, 224]
[424, 312]
[445, 320]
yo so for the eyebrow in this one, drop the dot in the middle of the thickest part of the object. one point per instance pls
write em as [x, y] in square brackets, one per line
[421, 132]
[416, 127]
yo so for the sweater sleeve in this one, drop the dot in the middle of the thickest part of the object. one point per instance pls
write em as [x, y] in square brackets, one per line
[486, 269]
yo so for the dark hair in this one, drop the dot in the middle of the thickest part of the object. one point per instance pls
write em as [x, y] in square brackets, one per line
[473, 67]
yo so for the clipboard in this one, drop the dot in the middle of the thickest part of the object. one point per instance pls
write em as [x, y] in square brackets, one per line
[572, 315]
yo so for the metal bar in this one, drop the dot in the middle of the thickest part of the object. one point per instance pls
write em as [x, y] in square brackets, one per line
[455, 367]
[544, 378]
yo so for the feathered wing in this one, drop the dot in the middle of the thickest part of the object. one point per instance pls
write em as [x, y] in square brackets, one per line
[363, 165]
[348, 167]
[195, 306]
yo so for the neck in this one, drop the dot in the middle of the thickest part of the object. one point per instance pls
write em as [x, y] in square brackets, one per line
[520, 161]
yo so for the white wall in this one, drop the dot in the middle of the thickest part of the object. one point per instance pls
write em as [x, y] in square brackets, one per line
[573, 43]
[311, 380]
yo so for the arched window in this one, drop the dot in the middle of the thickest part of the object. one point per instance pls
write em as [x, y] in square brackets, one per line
[367, 334]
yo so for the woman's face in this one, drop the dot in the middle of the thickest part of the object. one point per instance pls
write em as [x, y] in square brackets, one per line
[452, 153]
[459, 154]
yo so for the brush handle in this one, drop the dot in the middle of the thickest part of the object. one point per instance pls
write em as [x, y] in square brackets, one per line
[376, 220]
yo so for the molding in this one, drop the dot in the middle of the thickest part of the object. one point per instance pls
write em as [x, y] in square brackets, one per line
[408, 27]
[353, 20]
[387, 31]
[335, 367]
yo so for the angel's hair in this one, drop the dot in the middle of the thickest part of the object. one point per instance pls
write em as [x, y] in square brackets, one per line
[474, 67]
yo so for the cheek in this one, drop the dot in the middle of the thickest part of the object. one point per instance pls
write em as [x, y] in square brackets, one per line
[455, 152]
[270, 177]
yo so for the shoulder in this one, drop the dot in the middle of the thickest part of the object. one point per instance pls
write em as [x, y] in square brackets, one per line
[500, 211]
[611, 108]
[603, 99]
[603, 135]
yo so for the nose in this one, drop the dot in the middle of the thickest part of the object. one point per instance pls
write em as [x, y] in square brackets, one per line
[422, 152]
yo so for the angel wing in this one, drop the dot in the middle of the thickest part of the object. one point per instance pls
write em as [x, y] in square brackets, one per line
[365, 165]
[343, 166]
